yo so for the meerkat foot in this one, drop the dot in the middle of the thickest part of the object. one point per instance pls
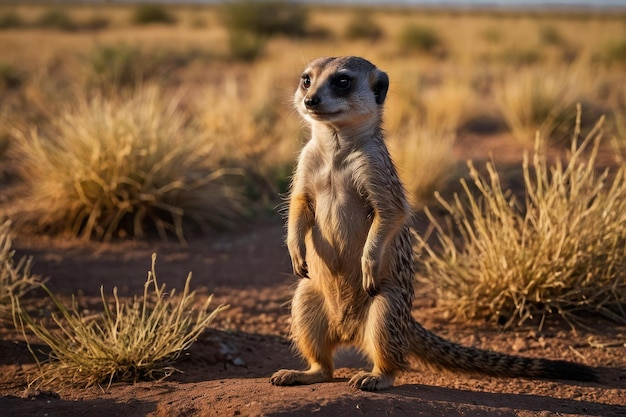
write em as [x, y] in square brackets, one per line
[286, 377]
[370, 381]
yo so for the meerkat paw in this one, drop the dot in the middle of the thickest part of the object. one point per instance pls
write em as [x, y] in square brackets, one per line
[301, 269]
[369, 381]
[368, 271]
[298, 261]
[286, 377]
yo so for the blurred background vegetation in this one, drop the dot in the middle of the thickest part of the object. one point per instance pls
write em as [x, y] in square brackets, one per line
[127, 120]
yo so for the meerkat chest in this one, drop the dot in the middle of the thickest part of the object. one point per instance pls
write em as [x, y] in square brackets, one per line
[340, 210]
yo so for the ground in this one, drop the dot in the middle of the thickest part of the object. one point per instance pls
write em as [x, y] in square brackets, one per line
[226, 372]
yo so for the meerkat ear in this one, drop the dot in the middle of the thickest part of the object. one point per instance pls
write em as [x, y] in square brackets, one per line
[380, 85]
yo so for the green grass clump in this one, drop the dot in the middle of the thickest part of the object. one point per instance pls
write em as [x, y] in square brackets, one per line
[15, 277]
[563, 251]
[363, 27]
[128, 341]
[108, 168]
[56, 19]
[550, 35]
[245, 46]
[265, 17]
[423, 39]
[10, 19]
[147, 14]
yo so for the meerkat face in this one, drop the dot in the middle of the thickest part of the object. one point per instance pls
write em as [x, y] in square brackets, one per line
[341, 91]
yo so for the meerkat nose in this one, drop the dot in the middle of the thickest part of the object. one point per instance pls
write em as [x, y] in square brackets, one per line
[312, 101]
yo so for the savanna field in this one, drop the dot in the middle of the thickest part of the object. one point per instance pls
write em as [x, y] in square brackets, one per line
[139, 143]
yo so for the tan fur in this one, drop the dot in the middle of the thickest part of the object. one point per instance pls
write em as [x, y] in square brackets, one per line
[349, 240]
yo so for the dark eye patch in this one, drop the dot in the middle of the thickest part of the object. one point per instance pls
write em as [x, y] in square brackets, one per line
[341, 84]
[306, 81]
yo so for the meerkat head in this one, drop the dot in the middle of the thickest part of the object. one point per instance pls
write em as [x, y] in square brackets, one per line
[341, 91]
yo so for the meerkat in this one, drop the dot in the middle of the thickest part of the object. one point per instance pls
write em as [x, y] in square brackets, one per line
[350, 243]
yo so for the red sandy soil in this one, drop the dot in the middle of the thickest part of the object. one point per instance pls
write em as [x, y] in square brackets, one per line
[226, 372]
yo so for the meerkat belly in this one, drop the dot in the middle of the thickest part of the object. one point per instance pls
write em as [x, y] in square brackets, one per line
[341, 226]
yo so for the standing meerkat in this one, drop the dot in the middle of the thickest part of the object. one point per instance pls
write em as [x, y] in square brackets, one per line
[350, 243]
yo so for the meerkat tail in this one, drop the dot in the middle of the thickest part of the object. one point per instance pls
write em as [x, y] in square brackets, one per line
[436, 351]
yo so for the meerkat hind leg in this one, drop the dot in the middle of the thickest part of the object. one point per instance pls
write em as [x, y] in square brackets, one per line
[382, 345]
[311, 337]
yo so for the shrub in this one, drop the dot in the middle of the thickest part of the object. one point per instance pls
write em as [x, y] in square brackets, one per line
[96, 22]
[564, 251]
[265, 17]
[419, 38]
[147, 14]
[130, 340]
[114, 167]
[245, 46]
[550, 35]
[613, 52]
[362, 26]
[10, 20]
[10, 77]
[15, 277]
[56, 19]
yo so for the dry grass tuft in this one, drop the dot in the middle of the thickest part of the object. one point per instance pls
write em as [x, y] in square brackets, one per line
[542, 101]
[15, 278]
[422, 127]
[128, 341]
[108, 168]
[564, 251]
[261, 137]
[425, 161]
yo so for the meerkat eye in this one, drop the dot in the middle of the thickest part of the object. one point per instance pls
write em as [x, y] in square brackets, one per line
[306, 82]
[342, 82]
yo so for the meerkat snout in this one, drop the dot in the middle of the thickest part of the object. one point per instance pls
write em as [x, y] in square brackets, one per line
[311, 102]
